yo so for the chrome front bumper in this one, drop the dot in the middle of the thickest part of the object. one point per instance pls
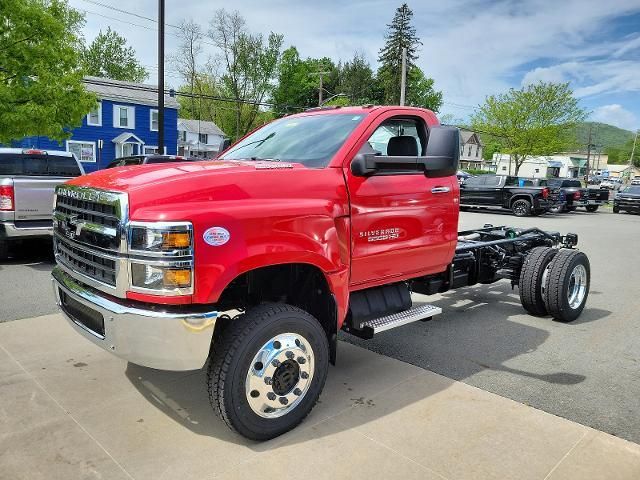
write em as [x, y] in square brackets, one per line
[152, 338]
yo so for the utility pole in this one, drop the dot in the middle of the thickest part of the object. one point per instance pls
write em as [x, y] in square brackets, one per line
[320, 74]
[633, 151]
[589, 145]
[160, 77]
[403, 77]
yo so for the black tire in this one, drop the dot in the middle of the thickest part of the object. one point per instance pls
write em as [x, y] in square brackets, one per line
[616, 209]
[591, 208]
[231, 358]
[531, 277]
[557, 208]
[521, 207]
[571, 209]
[559, 282]
[4, 250]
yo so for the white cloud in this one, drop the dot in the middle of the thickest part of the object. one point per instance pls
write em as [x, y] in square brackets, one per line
[617, 115]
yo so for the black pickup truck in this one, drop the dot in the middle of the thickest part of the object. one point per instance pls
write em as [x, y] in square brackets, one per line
[500, 191]
[576, 195]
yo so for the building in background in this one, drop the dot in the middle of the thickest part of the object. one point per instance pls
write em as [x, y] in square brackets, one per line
[561, 165]
[125, 123]
[198, 138]
[470, 150]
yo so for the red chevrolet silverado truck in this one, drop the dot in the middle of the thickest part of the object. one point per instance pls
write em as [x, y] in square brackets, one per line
[252, 263]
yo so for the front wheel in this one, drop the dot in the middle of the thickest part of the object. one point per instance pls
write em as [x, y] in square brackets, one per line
[557, 208]
[521, 208]
[4, 250]
[616, 209]
[267, 370]
[571, 209]
[591, 208]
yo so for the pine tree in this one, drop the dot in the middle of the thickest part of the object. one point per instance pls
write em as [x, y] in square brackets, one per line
[400, 34]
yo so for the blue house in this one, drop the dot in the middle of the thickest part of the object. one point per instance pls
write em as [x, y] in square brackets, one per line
[125, 123]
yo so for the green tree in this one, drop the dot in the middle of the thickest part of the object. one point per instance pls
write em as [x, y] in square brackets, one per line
[109, 56]
[420, 91]
[400, 34]
[356, 80]
[538, 119]
[41, 90]
[249, 65]
[490, 148]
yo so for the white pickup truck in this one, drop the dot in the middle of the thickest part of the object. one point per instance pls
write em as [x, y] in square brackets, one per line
[27, 182]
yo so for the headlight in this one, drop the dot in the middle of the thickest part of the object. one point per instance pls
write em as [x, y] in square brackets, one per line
[161, 238]
[161, 257]
[161, 278]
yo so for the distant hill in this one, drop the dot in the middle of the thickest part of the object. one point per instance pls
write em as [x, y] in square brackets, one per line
[608, 136]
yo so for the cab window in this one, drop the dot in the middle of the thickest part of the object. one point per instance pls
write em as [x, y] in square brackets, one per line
[399, 137]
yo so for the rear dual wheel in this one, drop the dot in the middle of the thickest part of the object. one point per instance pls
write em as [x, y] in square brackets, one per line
[555, 282]
[267, 370]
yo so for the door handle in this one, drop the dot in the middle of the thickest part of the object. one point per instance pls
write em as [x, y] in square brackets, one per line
[440, 190]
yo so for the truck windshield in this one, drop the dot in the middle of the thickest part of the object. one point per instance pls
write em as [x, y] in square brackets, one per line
[311, 140]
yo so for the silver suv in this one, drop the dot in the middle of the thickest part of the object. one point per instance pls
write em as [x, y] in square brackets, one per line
[27, 182]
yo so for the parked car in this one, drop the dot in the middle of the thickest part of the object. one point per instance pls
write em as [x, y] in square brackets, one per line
[575, 195]
[635, 181]
[151, 158]
[611, 183]
[462, 176]
[627, 199]
[500, 191]
[27, 182]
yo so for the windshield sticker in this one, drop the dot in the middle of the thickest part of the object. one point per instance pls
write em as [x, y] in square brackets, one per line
[216, 236]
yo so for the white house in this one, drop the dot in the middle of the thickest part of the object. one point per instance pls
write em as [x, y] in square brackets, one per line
[198, 138]
[470, 150]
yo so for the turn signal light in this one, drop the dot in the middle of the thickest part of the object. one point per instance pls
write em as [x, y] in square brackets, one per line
[177, 278]
[176, 240]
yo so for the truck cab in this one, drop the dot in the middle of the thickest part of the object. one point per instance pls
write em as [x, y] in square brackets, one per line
[251, 263]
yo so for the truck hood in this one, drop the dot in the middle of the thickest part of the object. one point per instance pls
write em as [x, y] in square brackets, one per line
[129, 179]
[178, 191]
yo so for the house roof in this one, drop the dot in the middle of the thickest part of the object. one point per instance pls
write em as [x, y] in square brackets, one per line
[128, 92]
[466, 135]
[199, 126]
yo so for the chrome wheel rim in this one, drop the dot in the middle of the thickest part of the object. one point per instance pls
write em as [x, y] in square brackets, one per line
[280, 375]
[577, 287]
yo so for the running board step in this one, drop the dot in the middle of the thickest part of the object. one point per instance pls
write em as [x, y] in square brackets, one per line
[377, 325]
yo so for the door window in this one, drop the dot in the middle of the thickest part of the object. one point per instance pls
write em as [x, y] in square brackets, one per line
[410, 131]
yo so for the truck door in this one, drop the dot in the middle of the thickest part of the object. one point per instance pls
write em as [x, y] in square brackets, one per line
[493, 190]
[403, 224]
[471, 190]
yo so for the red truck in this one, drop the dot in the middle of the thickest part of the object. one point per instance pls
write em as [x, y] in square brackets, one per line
[252, 263]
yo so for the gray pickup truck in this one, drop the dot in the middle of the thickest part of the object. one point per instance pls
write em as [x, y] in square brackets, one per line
[27, 182]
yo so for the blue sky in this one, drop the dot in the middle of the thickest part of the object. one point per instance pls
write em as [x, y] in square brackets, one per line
[472, 48]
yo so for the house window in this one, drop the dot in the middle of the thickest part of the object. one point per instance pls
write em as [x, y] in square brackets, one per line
[504, 168]
[153, 120]
[203, 138]
[477, 150]
[183, 135]
[84, 151]
[150, 150]
[123, 116]
[469, 154]
[94, 118]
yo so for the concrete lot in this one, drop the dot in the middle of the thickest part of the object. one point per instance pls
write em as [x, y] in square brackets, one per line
[70, 410]
[586, 371]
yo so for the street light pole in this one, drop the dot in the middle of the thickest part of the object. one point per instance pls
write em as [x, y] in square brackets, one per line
[161, 77]
[403, 77]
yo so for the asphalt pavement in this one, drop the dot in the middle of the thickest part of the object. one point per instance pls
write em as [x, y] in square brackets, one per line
[586, 371]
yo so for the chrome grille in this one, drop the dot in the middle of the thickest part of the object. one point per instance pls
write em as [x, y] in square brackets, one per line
[96, 266]
[90, 236]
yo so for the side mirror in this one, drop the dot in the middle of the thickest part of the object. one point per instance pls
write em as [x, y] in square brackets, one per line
[443, 152]
[441, 159]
